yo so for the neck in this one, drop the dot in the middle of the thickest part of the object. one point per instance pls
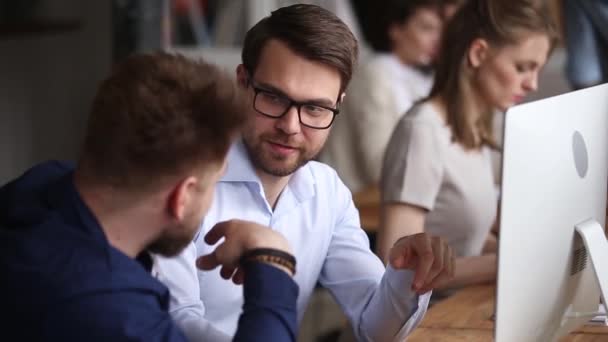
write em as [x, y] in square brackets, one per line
[476, 105]
[273, 186]
[126, 224]
[403, 60]
[472, 104]
[439, 103]
[412, 63]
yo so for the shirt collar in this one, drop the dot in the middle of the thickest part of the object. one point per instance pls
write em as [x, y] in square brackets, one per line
[302, 183]
[240, 169]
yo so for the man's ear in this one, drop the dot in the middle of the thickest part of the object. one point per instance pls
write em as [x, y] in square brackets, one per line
[180, 197]
[342, 97]
[242, 76]
[478, 52]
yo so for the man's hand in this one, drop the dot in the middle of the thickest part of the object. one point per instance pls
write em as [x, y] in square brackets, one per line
[428, 256]
[240, 237]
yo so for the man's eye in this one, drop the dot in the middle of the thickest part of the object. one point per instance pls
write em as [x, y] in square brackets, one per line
[273, 97]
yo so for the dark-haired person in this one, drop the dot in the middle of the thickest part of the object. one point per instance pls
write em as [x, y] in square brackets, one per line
[385, 87]
[296, 66]
[586, 29]
[74, 242]
[437, 174]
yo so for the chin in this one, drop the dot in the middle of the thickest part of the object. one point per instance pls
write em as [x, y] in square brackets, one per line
[506, 107]
[170, 244]
[425, 62]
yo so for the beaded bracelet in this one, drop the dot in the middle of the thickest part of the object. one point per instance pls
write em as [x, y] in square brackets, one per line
[271, 255]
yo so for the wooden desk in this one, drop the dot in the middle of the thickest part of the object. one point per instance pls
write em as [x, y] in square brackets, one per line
[466, 316]
[367, 202]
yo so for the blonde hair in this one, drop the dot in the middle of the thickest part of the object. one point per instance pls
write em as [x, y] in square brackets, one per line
[500, 22]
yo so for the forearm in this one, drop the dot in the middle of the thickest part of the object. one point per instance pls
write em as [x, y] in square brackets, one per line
[378, 301]
[385, 239]
[396, 221]
[270, 311]
[394, 310]
[472, 271]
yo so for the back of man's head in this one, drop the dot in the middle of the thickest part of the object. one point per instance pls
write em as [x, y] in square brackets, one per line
[311, 32]
[158, 116]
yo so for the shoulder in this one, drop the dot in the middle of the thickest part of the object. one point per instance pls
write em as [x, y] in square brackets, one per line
[383, 61]
[422, 118]
[377, 68]
[50, 250]
[323, 174]
[420, 130]
[110, 316]
[332, 196]
[328, 184]
[61, 262]
[423, 113]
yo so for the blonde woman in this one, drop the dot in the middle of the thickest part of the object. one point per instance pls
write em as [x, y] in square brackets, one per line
[437, 174]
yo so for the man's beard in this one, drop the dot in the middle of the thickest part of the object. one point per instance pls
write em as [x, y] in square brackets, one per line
[172, 241]
[266, 162]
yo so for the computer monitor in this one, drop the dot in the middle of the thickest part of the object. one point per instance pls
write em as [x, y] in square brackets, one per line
[554, 188]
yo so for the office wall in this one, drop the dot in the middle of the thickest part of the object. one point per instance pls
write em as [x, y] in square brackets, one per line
[47, 82]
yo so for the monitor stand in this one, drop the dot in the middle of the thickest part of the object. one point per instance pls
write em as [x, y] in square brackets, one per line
[594, 239]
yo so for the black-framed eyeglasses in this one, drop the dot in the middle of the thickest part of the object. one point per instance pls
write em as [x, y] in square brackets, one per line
[273, 105]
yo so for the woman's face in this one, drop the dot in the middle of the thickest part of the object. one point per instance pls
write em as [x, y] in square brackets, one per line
[416, 41]
[505, 75]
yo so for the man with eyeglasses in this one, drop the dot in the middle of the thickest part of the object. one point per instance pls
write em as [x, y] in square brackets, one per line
[273, 103]
[296, 66]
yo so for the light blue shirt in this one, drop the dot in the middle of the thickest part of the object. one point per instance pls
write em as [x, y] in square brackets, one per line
[316, 214]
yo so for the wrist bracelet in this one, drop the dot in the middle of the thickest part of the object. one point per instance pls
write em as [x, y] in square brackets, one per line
[270, 255]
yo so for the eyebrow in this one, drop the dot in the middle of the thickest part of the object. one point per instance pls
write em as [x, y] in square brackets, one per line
[531, 63]
[318, 101]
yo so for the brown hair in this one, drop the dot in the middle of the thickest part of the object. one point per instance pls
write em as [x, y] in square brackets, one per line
[308, 30]
[446, 3]
[500, 22]
[396, 12]
[158, 115]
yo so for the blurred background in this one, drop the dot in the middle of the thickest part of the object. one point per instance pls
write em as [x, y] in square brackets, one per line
[53, 53]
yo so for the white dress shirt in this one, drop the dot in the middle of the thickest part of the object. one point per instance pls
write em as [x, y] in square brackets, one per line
[316, 214]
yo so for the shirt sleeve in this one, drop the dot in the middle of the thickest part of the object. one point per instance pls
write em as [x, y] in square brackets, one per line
[413, 165]
[179, 274]
[269, 312]
[111, 316]
[379, 302]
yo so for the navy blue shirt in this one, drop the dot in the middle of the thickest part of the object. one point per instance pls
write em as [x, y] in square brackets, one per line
[63, 281]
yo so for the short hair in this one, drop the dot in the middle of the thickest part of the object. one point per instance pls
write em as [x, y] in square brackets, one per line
[500, 22]
[158, 115]
[311, 32]
[393, 12]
